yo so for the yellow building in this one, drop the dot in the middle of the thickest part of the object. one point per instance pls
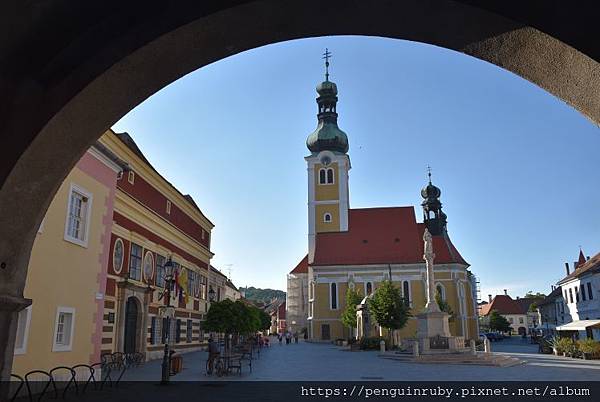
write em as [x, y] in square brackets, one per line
[360, 247]
[67, 270]
[152, 222]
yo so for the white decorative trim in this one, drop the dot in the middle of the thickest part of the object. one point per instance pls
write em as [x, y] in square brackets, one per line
[102, 158]
[64, 348]
[88, 195]
[22, 350]
[118, 240]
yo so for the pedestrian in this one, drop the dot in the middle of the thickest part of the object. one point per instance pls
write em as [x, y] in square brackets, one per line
[280, 338]
[288, 337]
[296, 337]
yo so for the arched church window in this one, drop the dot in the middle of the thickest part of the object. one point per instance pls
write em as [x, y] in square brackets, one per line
[333, 296]
[327, 217]
[439, 288]
[406, 292]
[329, 176]
[323, 176]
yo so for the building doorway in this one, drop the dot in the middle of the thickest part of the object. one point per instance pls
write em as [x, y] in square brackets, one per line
[131, 316]
[522, 331]
[325, 332]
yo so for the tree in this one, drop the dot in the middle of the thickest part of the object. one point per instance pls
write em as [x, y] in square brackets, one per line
[498, 322]
[536, 295]
[388, 307]
[444, 305]
[349, 314]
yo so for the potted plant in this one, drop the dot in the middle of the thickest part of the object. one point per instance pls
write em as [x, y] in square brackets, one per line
[588, 348]
[562, 346]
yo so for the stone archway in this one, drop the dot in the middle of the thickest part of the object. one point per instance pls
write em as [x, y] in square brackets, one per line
[63, 88]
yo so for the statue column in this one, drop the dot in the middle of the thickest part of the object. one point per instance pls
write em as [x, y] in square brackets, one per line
[428, 256]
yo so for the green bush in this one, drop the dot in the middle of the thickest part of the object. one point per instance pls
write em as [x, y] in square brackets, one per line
[371, 343]
[588, 346]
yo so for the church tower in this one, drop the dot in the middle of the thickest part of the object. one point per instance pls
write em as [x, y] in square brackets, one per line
[433, 216]
[328, 166]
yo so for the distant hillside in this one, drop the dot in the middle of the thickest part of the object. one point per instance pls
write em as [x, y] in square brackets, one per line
[263, 295]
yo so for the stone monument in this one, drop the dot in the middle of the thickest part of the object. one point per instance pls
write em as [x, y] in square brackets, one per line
[433, 331]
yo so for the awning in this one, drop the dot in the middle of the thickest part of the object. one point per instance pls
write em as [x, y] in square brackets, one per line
[581, 325]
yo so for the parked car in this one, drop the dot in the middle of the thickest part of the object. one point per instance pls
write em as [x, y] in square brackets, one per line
[494, 336]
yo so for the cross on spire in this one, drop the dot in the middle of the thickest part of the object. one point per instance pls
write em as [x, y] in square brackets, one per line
[326, 56]
[429, 173]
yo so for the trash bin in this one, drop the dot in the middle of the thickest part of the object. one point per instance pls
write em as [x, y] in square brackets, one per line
[176, 363]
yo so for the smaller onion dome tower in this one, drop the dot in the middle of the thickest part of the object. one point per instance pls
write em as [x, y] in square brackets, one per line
[433, 216]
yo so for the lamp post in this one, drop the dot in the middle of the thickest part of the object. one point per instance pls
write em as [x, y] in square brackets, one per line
[167, 311]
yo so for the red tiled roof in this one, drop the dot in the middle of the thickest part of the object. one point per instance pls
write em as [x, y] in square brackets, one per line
[591, 265]
[302, 267]
[381, 236]
[504, 305]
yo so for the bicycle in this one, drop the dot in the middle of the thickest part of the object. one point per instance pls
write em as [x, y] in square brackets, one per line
[218, 367]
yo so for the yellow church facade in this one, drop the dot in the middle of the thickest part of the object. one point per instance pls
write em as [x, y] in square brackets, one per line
[359, 248]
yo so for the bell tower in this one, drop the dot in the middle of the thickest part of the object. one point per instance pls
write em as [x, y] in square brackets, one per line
[328, 166]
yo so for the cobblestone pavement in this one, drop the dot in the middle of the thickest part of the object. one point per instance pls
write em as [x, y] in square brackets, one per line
[312, 362]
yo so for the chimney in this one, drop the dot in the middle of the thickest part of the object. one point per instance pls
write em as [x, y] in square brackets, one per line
[505, 292]
[567, 268]
[517, 297]
[588, 258]
[490, 298]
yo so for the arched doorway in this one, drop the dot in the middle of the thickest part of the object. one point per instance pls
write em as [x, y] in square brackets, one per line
[116, 55]
[522, 331]
[131, 326]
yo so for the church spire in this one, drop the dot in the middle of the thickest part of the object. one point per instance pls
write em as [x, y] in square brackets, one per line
[434, 218]
[327, 136]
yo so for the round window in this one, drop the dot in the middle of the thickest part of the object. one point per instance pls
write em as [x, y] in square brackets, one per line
[118, 256]
[148, 266]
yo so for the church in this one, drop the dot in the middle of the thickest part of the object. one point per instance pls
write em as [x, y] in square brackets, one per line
[359, 248]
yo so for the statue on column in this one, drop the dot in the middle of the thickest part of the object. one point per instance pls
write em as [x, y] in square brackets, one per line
[428, 256]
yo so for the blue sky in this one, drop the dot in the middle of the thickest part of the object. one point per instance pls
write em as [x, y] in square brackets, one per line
[518, 168]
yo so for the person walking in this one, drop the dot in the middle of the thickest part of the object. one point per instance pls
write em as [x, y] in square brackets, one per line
[280, 338]
[296, 337]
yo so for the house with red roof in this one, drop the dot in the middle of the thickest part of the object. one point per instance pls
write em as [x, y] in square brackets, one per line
[522, 319]
[581, 294]
[360, 248]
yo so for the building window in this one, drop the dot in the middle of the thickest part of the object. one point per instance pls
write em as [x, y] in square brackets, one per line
[131, 177]
[582, 290]
[576, 295]
[78, 216]
[327, 217]
[406, 292]
[63, 329]
[570, 295]
[326, 176]
[520, 320]
[203, 287]
[160, 271]
[193, 283]
[164, 331]
[23, 321]
[368, 288]
[511, 320]
[168, 207]
[118, 253]
[188, 332]
[333, 296]
[178, 331]
[589, 287]
[439, 288]
[155, 330]
[148, 266]
[135, 262]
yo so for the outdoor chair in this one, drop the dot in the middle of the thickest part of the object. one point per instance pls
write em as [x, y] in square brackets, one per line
[62, 375]
[84, 375]
[38, 382]
[18, 386]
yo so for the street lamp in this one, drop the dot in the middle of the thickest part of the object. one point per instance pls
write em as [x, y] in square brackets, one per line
[167, 311]
[211, 294]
